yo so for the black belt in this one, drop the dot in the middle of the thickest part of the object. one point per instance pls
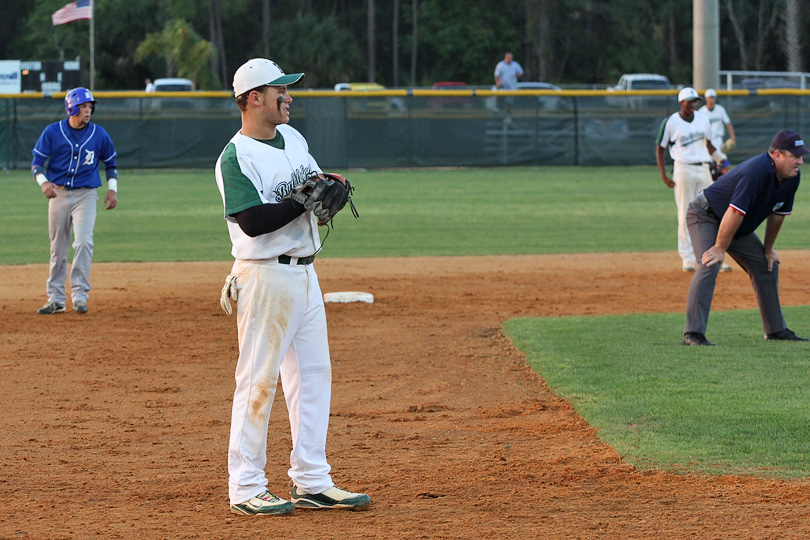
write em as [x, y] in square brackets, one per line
[698, 163]
[286, 259]
[703, 202]
[70, 188]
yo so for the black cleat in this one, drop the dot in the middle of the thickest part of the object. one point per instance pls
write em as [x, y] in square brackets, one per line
[696, 338]
[785, 335]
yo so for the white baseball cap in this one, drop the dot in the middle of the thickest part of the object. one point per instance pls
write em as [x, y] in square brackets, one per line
[688, 94]
[258, 72]
[711, 92]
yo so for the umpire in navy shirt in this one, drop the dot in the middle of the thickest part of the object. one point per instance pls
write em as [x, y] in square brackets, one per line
[723, 218]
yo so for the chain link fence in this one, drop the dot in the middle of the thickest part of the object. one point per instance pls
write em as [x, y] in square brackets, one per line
[407, 128]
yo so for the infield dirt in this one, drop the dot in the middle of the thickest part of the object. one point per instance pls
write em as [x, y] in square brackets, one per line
[115, 423]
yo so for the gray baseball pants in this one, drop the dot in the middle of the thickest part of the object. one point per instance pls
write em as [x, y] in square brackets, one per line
[749, 253]
[76, 210]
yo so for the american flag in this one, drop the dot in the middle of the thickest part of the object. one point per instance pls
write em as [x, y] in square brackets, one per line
[81, 9]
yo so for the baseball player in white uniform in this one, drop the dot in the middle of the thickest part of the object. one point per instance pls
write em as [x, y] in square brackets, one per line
[281, 317]
[687, 133]
[719, 119]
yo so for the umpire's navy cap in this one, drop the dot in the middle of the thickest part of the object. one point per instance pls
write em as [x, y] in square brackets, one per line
[790, 141]
[259, 72]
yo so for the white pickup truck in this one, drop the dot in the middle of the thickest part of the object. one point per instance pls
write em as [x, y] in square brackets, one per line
[639, 81]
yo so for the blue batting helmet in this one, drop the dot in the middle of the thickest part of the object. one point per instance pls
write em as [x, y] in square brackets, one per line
[76, 97]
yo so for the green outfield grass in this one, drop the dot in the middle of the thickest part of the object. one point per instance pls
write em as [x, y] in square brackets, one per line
[177, 215]
[741, 407]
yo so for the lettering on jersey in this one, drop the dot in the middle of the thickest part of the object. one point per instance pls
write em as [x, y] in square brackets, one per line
[297, 177]
[690, 138]
[89, 157]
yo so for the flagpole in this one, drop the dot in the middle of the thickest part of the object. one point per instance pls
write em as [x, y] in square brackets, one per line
[92, 48]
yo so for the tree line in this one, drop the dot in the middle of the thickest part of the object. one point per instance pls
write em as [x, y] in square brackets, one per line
[402, 43]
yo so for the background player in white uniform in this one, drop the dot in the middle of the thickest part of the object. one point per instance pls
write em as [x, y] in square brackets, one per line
[719, 119]
[281, 317]
[687, 134]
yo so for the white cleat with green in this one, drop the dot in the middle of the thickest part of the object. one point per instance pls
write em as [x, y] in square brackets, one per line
[263, 504]
[333, 497]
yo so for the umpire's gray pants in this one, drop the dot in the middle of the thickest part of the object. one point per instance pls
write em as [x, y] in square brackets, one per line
[75, 209]
[749, 253]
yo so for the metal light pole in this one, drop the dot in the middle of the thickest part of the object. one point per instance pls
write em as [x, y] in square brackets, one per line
[705, 44]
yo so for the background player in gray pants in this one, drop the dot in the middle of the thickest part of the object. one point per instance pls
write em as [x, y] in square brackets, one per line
[74, 149]
[723, 219]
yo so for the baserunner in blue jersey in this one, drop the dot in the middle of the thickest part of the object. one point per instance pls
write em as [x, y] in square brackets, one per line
[723, 219]
[74, 149]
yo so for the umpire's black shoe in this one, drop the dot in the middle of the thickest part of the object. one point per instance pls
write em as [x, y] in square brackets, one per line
[695, 338]
[786, 335]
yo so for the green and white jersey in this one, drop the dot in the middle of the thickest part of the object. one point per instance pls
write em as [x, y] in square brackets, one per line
[250, 172]
[686, 139]
[718, 118]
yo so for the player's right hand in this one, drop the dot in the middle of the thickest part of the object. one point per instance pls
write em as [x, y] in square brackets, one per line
[668, 181]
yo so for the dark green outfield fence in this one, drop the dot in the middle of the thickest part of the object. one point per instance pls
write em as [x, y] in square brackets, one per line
[406, 128]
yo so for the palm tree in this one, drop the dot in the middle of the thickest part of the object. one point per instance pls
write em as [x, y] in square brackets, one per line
[184, 52]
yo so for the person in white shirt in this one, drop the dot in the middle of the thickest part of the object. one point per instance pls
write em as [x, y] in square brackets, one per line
[687, 133]
[719, 119]
[507, 72]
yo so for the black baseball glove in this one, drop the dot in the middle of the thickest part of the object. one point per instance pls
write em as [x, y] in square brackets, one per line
[324, 195]
[717, 170]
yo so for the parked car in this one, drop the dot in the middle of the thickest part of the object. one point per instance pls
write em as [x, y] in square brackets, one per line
[537, 86]
[180, 86]
[358, 86]
[173, 85]
[770, 82]
[450, 85]
[639, 81]
[775, 102]
[373, 103]
[451, 102]
[548, 103]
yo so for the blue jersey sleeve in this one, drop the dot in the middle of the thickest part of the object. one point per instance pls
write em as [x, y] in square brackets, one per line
[42, 149]
[109, 155]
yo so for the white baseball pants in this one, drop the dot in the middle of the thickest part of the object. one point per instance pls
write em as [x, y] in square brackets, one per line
[690, 179]
[281, 323]
[71, 209]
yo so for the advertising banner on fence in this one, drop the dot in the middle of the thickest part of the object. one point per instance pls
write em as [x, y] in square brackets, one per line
[10, 81]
